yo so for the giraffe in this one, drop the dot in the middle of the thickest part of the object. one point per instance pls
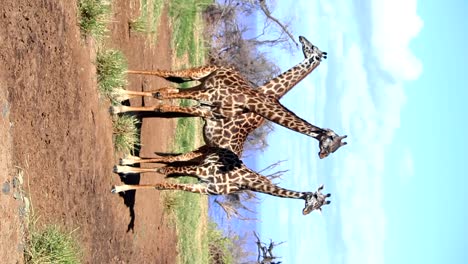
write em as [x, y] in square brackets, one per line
[220, 171]
[237, 129]
[232, 132]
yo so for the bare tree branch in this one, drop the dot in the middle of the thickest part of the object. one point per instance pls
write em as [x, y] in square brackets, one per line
[264, 253]
[231, 210]
[266, 11]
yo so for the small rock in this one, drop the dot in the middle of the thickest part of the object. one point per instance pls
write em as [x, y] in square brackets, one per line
[20, 178]
[20, 247]
[6, 188]
[22, 211]
[26, 204]
[17, 195]
[5, 110]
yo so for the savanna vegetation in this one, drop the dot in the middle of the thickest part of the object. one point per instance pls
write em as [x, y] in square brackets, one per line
[202, 32]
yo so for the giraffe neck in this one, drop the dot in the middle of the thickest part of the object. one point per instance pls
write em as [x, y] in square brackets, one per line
[283, 83]
[272, 110]
[231, 133]
[271, 189]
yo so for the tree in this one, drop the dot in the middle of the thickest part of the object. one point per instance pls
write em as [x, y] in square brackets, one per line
[230, 44]
[265, 254]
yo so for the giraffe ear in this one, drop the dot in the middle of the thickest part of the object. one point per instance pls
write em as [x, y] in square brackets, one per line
[320, 211]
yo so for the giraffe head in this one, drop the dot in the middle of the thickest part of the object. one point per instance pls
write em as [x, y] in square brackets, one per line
[329, 142]
[315, 201]
[310, 50]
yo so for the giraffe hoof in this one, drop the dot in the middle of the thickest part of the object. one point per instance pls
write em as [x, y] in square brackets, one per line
[127, 161]
[119, 169]
[124, 170]
[113, 110]
[117, 189]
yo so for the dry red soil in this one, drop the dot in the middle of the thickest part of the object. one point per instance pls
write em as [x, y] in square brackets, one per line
[55, 128]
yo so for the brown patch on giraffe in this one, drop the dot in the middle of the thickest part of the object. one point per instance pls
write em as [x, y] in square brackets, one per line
[53, 125]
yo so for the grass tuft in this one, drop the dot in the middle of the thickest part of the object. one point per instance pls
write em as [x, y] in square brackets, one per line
[170, 204]
[191, 216]
[150, 16]
[126, 133]
[220, 245]
[185, 18]
[52, 245]
[94, 16]
[190, 210]
[138, 25]
[111, 71]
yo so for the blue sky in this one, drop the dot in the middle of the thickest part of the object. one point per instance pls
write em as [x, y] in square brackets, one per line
[396, 83]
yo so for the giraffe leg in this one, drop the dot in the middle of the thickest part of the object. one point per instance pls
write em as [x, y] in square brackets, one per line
[161, 93]
[164, 108]
[192, 170]
[191, 74]
[130, 160]
[190, 110]
[118, 109]
[167, 170]
[194, 188]
[122, 94]
[197, 93]
[188, 156]
[133, 170]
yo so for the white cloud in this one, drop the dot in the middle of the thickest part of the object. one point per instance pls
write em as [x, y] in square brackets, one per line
[372, 62]
[360, 194]
[394, 24]
[364, 80]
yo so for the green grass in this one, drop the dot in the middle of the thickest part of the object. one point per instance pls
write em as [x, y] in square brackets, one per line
[186, 132]
[94, 16]
[191, 215]
[220, 244]
[190, 210]
[48, 243]
[52, 245]
[150, 16]
[186, 27]
[125, 133]
[111, 71]
[138, 25]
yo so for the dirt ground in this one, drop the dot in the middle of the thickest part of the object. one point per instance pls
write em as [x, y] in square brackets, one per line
[54, 127]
